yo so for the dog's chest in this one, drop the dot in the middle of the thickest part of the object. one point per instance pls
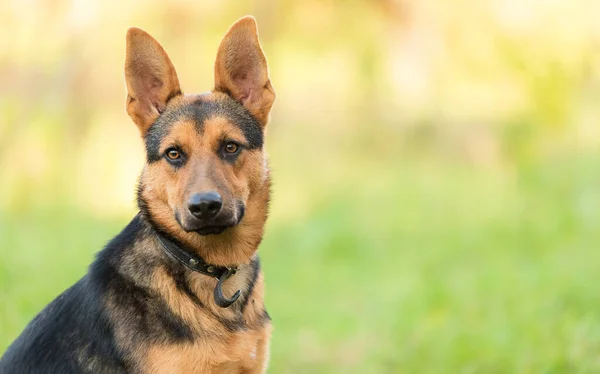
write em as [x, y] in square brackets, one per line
[229, 340]
[241, 352]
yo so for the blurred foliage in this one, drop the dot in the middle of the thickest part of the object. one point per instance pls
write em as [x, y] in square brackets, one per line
[436, 170]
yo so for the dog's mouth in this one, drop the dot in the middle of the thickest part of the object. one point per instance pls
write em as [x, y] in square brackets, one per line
[212, 227]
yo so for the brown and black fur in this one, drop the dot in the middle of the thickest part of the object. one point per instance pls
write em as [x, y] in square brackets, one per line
[138, 310]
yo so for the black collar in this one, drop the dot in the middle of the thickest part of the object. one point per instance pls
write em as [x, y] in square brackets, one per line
[197, 264]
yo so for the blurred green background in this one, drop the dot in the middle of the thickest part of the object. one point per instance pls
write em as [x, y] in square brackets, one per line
[436, 164]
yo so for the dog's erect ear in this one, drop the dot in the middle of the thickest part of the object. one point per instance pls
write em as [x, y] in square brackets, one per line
[150, 76]
[241, 69]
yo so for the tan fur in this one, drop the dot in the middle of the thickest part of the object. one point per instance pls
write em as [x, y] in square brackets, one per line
[240, 71]
[220, 351]
[212, 356]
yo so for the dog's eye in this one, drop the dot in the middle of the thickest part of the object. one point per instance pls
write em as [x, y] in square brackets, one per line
[173, 154]
[231, 147]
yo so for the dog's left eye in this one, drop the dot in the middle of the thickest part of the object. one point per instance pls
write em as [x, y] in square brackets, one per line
[231, 147]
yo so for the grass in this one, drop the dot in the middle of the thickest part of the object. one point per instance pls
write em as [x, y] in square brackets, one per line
[416, 269]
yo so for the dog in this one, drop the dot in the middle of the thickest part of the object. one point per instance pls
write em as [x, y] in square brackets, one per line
[180, 289]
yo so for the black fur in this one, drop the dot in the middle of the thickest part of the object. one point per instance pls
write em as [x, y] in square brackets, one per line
[79, 331]
[75, 320]
[255, 271]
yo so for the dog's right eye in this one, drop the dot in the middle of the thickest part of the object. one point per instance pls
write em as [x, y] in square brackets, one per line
[175, 157]
[173, 154]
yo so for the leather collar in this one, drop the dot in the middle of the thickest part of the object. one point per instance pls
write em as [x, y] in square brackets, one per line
[197, 264]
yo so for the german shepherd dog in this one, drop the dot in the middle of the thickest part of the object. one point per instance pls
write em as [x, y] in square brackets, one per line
[180, 289]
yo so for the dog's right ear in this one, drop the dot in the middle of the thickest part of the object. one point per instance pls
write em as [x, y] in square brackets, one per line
[150, 77]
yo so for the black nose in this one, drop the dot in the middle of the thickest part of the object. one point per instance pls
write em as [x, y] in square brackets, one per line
[205, 205]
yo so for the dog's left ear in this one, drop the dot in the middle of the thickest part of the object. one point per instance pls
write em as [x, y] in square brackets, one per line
[241, 69]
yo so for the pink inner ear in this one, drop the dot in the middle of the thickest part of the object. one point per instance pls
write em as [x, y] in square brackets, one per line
[151, 93]
[159, 107]
[155, 83]
[244, 85]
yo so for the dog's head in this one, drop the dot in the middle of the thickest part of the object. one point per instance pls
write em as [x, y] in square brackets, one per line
[206, 170]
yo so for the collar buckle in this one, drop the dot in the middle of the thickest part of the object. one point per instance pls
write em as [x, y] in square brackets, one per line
[197, 264]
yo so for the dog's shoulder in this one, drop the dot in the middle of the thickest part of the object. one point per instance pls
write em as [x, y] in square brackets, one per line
[73, 333]
[59, 338]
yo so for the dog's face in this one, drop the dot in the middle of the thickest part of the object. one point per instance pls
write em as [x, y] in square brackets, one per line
[205, 157]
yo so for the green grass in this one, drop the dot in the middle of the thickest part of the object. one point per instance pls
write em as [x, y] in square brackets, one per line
[421, 269]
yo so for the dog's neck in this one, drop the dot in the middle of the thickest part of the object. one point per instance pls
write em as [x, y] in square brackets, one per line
[189, 259]
[198, 265]
[149, 266]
